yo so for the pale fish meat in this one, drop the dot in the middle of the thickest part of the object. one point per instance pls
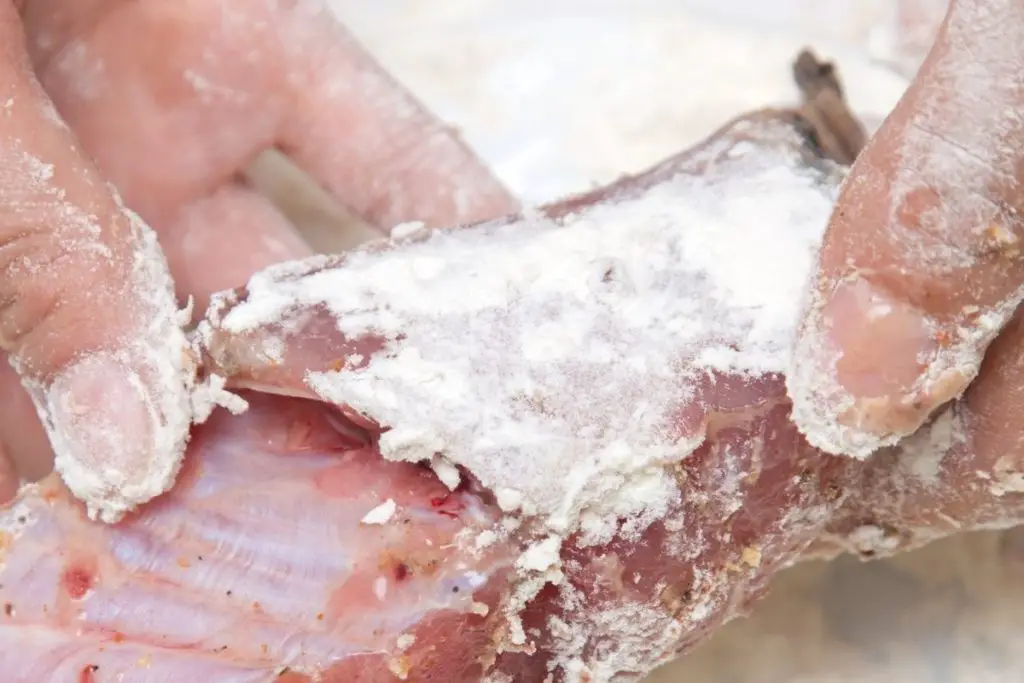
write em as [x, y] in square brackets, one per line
[458, 493]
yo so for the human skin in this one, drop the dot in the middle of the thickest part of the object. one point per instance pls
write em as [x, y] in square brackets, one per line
[169, 104]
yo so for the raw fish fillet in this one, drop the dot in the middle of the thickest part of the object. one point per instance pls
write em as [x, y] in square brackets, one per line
[524, 510]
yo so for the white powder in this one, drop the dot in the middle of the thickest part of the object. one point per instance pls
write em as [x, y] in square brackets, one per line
[1008, 476]
[18, 516]
[551, 360]
[380, 588]
[509, 500]
[211, 394]
[541, 556]
[485, 539]
[404, 231]
[922, 453]
[871, 539]
[497, 678]
[443, 468]
[381, 514]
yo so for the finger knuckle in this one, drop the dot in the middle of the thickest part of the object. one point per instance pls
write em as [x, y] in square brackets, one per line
[41, 272]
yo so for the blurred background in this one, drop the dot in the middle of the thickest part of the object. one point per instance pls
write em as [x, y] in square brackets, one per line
[561, 95]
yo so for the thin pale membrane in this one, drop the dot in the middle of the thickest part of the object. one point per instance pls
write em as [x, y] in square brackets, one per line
[258, 562]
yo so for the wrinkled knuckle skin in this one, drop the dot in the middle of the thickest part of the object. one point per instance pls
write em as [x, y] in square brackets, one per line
[31, 286]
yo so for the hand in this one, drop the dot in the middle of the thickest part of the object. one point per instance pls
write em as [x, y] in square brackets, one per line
[921, 267]
[169, 103]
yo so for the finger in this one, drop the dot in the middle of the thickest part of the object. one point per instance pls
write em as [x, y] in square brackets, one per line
[303, 83]
[368, 141]
[965, 470]
[170, 104]
[87, 310]
[219, 241]
[202, 244]
[921, 265]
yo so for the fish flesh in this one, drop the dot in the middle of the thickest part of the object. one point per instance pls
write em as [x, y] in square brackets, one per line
[261, 563]
[457, 493]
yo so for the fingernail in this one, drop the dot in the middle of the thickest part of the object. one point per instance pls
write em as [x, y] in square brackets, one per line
[869, 369]
[103, 426]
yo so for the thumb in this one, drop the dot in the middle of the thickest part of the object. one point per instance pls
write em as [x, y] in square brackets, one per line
[921, 265]
[87, 310]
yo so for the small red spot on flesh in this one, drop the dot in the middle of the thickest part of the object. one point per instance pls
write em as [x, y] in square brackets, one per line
[88, 674]
[401, 571]
[77, 581]
[448, 505]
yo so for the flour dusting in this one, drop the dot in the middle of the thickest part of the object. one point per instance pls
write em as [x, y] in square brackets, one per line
[552, 359]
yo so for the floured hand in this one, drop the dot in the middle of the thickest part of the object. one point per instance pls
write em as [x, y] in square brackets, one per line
[169, 104]
[921, 267]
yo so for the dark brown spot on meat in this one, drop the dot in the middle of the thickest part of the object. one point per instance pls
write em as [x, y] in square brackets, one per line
[675, 598]
[833, 492]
